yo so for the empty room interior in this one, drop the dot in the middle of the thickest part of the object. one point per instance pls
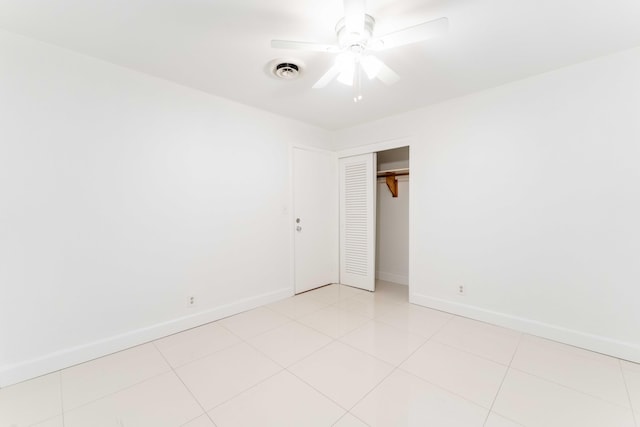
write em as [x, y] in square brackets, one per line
[319, 213]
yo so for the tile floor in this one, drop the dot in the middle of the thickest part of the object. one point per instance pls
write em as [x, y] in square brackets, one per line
[342, 357]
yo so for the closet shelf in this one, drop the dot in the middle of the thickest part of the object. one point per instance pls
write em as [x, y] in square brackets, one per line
[391, 178]
[394, 172]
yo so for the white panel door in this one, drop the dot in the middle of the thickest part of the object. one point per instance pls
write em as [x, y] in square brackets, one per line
[315, 200]
[357, 221]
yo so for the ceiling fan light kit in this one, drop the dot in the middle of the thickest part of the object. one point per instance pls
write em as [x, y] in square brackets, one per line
[355, 36]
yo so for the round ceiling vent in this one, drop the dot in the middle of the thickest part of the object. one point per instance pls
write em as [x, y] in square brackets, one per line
[286, 70]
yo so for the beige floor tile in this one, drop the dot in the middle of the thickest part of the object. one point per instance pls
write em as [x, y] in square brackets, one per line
[496, 420]
[187, 346]
[290, 342]
[367, 307]
[334, 293]
[52, 422]
[349, 420]
[535, 402]
[417, 320]
[382, 297]
[384, 341]
[254, 322]
[342, 373]
[298, 306]
[405, 400]
[162, 401]
[387, 291]
[31, 401]
[392, 291]
[201, 421]
[224, 374]
[334, 321]
[282, 400]
[459, 372]
[598, 376]
[571, 350]
[488, 341]
[632, 379]
[630, 366]
[339, 345]
[92, 380]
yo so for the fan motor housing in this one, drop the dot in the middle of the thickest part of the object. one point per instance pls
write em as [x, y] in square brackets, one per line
[347, 40]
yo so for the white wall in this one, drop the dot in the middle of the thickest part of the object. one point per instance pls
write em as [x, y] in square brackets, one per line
[527, 194]
[122, 194]
[392, 232]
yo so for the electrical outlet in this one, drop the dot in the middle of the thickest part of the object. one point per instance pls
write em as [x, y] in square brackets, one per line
[461, 290]
[191, 301]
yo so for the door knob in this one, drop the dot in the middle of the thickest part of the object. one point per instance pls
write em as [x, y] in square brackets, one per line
[298, 228]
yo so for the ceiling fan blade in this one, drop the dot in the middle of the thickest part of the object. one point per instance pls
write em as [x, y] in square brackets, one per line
[315, 47]
[386, 75]
[327, 77]
[354, 11]
[417, 33]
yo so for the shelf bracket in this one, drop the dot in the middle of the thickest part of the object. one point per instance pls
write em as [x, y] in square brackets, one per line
[391, 178]
[392, 183]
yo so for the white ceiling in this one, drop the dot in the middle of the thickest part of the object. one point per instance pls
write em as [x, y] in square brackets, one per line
[222, 46]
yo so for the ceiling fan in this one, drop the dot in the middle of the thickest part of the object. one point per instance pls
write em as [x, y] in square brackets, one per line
[356, 41]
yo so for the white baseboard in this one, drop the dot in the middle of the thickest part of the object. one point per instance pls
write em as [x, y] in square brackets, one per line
[390, 277]
[14, 374]
[600, 344]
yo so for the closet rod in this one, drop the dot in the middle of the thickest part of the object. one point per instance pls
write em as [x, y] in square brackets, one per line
[390, 173]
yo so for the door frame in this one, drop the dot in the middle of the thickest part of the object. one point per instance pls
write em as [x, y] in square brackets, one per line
[389, 144]
[291, 214]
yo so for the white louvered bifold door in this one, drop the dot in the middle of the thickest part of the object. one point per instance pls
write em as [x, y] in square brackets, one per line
[357, 221]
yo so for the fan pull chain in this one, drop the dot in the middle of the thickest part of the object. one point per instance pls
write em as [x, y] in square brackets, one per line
[357, 81]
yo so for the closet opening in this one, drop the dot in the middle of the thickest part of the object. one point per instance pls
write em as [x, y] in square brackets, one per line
[392, 222]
